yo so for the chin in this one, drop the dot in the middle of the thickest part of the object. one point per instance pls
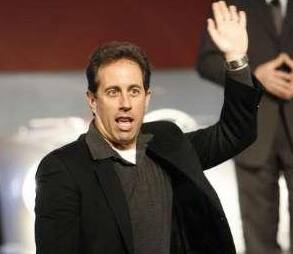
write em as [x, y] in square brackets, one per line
[126, 141]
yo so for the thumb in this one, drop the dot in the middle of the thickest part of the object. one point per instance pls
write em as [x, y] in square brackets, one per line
[213, 31]
[288, 60]
[278, 61]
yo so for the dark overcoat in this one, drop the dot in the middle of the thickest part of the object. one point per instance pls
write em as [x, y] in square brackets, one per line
[81, 208]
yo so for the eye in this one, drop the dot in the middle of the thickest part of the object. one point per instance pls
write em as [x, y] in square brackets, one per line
[135, 91]
[112, 92]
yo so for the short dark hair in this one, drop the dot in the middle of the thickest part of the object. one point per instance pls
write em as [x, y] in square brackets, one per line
[112, 52]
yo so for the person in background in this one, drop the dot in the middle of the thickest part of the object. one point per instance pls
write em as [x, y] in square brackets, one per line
[270, 52]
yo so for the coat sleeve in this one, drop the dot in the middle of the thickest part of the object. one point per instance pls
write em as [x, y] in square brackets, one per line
[236, 128]
[210, 61]
[56, 209]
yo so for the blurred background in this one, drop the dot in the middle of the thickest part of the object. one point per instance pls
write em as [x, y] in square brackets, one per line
[44, 49]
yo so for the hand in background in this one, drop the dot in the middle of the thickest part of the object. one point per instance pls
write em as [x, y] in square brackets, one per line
[228, 30]
[277, 82]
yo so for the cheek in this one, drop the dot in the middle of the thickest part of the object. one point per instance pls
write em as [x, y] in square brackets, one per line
[140, 109]
[106, 112]
[106, 107]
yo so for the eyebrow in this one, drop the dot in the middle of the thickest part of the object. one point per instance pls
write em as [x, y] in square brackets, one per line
[119, 88]
[135, 86]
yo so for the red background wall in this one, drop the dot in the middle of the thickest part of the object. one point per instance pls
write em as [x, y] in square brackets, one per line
[60, 34]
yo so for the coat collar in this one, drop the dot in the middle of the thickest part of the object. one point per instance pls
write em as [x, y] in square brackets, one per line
[100, 149]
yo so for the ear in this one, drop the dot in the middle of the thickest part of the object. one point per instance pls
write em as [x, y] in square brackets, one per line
[147, 99]
[91, 101]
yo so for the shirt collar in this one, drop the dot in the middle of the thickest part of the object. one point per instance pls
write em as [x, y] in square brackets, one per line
[283, 4]
[100, 149]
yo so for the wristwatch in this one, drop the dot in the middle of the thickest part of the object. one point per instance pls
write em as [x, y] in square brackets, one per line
[236, 65]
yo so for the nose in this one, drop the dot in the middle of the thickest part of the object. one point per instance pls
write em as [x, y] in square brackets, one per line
[125, 102]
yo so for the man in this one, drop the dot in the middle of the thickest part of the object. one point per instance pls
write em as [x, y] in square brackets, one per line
[270, 27]
[124, 187]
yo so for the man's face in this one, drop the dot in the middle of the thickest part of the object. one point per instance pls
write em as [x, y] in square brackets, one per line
[120, 102]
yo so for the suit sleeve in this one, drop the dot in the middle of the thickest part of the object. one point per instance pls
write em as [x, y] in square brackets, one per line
[56, 208]
[236, 128]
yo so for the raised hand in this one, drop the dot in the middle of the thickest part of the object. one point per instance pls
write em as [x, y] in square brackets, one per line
[228, 30]
[277, 82]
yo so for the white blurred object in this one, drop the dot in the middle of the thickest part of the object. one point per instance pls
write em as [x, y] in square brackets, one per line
[284, 221]
[52, 133]
[223, 179]
[183, 120]
[28, 189]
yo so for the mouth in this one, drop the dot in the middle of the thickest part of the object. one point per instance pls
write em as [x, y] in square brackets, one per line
[124, 123]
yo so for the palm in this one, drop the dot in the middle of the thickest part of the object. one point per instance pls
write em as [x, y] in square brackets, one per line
[228, 30]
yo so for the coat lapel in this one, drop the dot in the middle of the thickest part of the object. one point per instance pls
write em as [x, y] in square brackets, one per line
[261, 9]
[186, 161]
[114, 194]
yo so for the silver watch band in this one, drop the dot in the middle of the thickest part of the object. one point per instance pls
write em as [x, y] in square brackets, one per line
[236, 65]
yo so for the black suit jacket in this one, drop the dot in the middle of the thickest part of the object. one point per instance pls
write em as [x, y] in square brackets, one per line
[264, 45]
[81, 207]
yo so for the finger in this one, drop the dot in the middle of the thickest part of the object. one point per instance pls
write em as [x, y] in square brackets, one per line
[233, 13]
[219, 19]
[242, 18]
[277, 62]
[212, 30]
[224, 10]
[288, 60]
[279, 90]
[280, 83]
[283, 75]
[283, 54]
[291, 92]
[211, 24]
[285, 95]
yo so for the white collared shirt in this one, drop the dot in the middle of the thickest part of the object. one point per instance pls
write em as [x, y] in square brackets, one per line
[283, 4]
